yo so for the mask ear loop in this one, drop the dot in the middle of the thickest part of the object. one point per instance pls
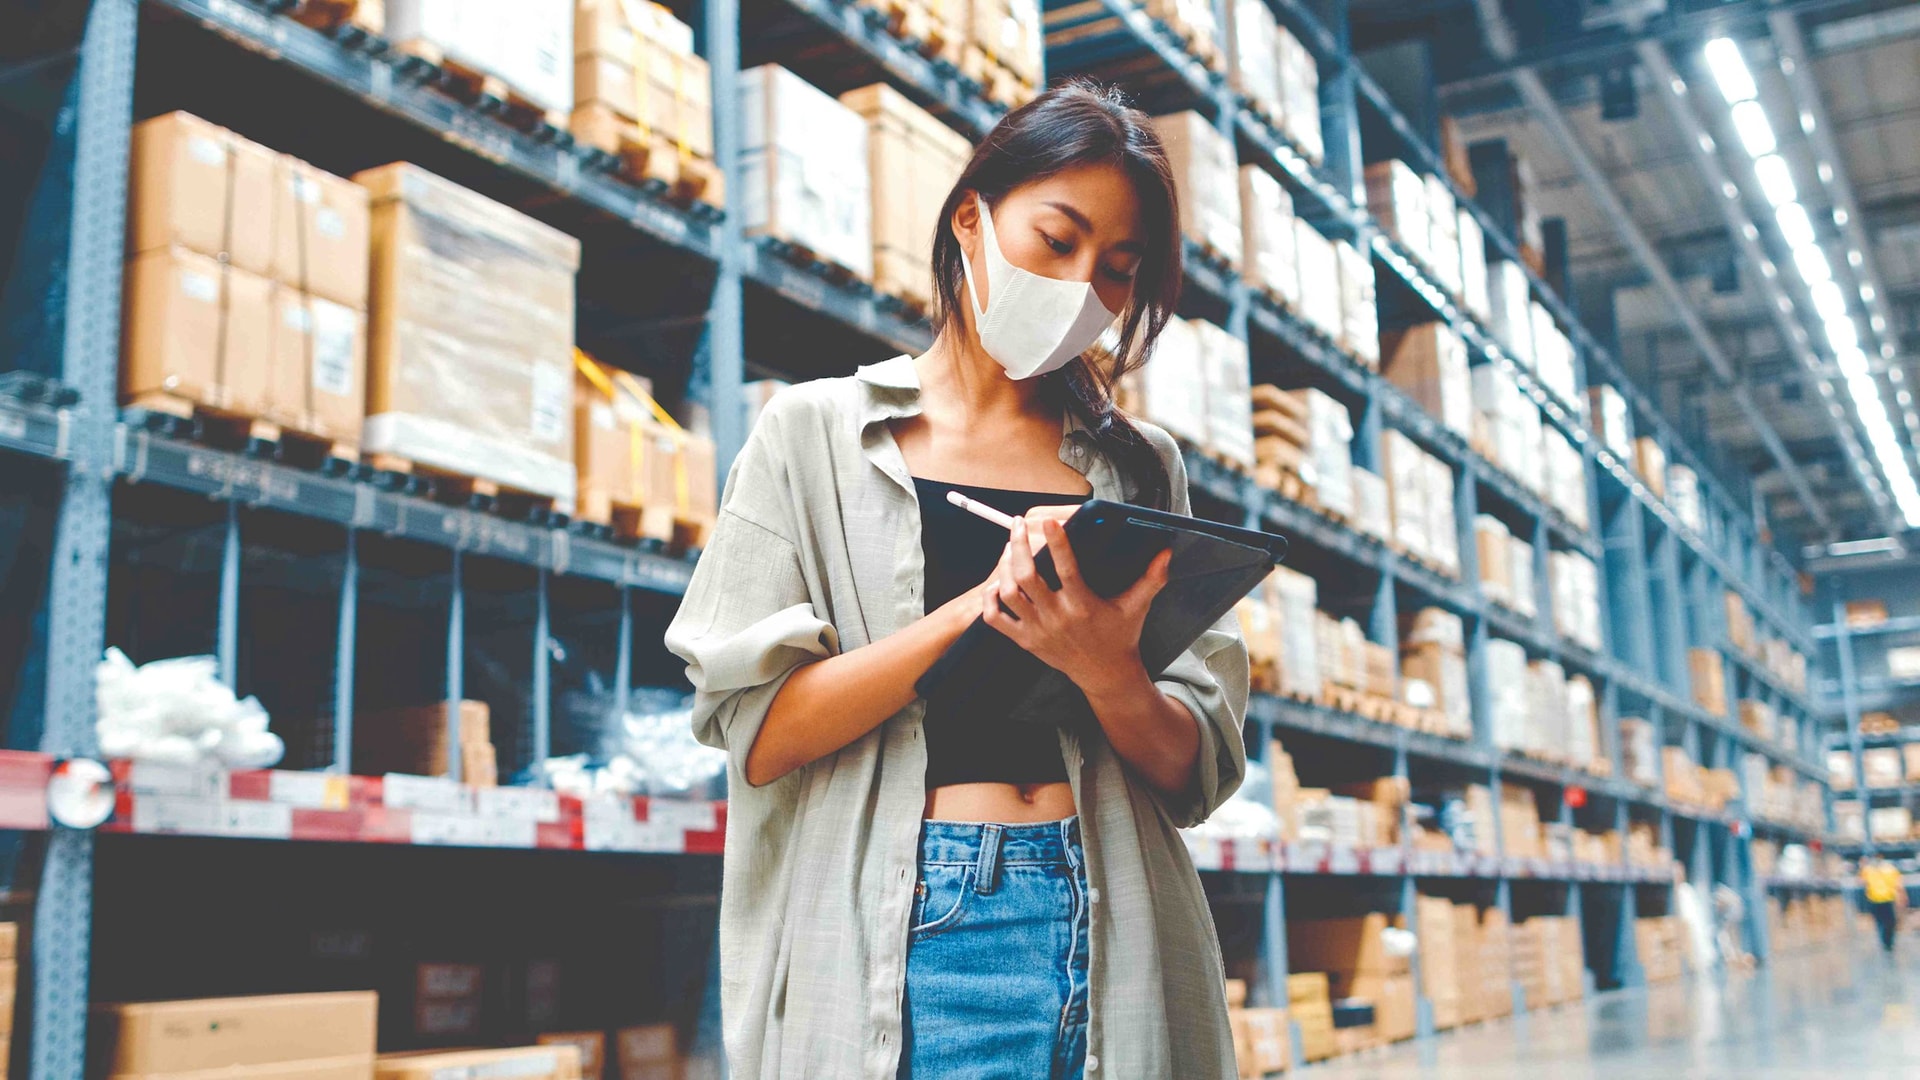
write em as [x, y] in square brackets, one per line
[966, 265]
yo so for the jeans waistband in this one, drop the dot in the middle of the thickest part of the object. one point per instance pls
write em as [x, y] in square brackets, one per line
[1053, 842]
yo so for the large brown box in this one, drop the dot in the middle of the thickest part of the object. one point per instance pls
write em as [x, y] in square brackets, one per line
[669, 97]
[1393, 998]
[1864, 613]
[913, 160]
[195, 185]
[413, 739]
[222, 1033]
[1207, 177]
[1429, 362]
[320, 233]
[470, 350]
[591, 1044]
[520, 1063]
[197, 330]
[316, 374]
[1709, 680]
[1344, 949]
[1651, 463]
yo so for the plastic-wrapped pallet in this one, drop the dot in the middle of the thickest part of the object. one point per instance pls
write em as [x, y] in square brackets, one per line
[527, 44]
[1583, 725]
[1492, 538]
[1372, 507]
[913, 160]
[1530, 429]
[1434, 654]
[1296, 598]
[1359, 313]
[1443, 536]
[1175, 392]
[1683, 494]
[470, 364]
[1253, 55]
[1506, 406]
[1564, 475]
[1300, 96]
[803, 168]
[1507, 679]
[1552, 354]
[1612, 420]
[1330, 428]
[1269, 233]
[1522, 580]
[1429, 361]
[1547, 708]
[1405, 467]
[1508, 313]
[636, 77]
[1473, 267]
[1319, 279]
[1229, 394]
[1443, 243]
[1397, 198]
[1205, 174]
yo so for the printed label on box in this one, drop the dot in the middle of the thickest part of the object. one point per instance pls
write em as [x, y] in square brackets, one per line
[333, 347]
[552, 394]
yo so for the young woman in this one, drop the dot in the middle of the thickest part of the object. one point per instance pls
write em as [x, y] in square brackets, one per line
[913, 893]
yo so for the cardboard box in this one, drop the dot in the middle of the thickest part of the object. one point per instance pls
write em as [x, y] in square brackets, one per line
[1320, 295]
[804, 168]
[1612, 420]
[1174, 385]
[470, 350]
[1300, 96]
[1883, 766]
[1404, 465]
[1394, 1009]
[320, 233]
[525, 43]
[1474, 294]
[648, 1052]
[1397, 199]
[198, 331]
[414, 739]
[1429, 361]
[592, 1046]
[195, 185]
[1344, 949]
[1866, 613]
[634, 65]
[1709, 680]
[1011, 34]
[1225, 366]
[1359, 308]
[519, 1062]
[1253, 55]
[211, 1033]
[913, 160]
[1509, 316]
[1372, 506]
[1269, 230]
[1206, 177]
[1331, 432]
[1268, 1039]
[316, 366]
[1650, 461]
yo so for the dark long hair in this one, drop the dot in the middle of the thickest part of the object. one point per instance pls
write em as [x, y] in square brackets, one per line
[1075, 124]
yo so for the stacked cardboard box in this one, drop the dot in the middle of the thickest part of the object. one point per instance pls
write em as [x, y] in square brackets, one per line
[1310, 1006]
[1522, 581]
[1009, 36]
[1283, 437]
[1352, 952]
[1849, 821]
[1513, 428]
[1172, 387]
[912, 161]
[416, 740]
[1300, 96]
[1491, 542]
[1434, 927]
[1709, 680]
[1890, 823]
[1433, 653]
[1359, 310]
[1206, 177]
[1320, 294]
[1563, 475]
[1397, 199]
[1840, 770]
[1549, 960]
[1520, 823]
[1253, 57]
[1683, 494]
[1552, 355]
[526, 45]
[1420, 494]
[1269, 231]
[1194, 22]
[1650, 461]
[590, 1045]
[1546, 728]
[1329, 453]
[1444, 238]
[1612, 420]
[1495, 984]
[1474, 293]
[1429, 361]
[1637, 751]
[1372, 505]
[1575, 581]
[1883, 767]
[641, 93]
[1510, 698]
[1295, 596]
[1286, 790]
[246, 285]
[1585, 745]
[1224, 368]
[1660, 942]
[1262, 1041]
[317, 1035]
[1508, 313]
[470, 365]
[1865, 614]
[635, 473]
[1739, 623]
[1759, 718]
[804, 169]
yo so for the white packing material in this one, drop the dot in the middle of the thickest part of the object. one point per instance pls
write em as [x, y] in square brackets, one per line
[178, 712]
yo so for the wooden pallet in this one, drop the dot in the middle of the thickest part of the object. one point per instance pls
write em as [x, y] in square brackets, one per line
[461, 489]
[804, 256]
[648, 158]
[468, 83]
[290, 441]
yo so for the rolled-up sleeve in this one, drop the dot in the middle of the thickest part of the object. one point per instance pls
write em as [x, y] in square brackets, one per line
[748, 619]
[1210, 679]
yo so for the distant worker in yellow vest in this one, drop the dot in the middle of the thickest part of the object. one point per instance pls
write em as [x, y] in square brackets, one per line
[1886, 896]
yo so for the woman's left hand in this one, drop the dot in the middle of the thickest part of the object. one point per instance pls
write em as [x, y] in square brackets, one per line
[1093, 640]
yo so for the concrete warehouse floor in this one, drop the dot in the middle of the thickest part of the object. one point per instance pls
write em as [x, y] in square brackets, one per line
[1844, 1012]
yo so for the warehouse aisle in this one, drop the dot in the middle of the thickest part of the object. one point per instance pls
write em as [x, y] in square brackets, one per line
[1843, 1013]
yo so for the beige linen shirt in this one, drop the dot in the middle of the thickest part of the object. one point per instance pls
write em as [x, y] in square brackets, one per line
[817, 551]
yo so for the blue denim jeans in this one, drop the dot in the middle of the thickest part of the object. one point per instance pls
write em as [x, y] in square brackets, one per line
[997, 958]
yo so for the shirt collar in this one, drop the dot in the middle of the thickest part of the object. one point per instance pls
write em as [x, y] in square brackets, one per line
[893, 392]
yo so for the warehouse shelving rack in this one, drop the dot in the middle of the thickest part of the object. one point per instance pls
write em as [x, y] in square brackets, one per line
[1852, 681]
[1659, 576]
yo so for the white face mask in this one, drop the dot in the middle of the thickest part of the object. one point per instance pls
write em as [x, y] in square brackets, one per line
[1032, 324]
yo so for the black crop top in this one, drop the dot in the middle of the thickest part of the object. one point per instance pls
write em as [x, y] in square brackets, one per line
[961, 549]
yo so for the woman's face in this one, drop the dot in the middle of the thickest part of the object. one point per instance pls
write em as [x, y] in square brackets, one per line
[1079, 225]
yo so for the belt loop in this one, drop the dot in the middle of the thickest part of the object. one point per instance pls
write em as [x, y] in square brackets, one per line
[987, 876]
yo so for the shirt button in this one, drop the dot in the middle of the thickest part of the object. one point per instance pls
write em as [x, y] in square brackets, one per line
[1093, 1063]
[1093, 895]
[1079, 450]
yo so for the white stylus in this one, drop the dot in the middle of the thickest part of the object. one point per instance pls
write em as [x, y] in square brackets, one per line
[980, 509]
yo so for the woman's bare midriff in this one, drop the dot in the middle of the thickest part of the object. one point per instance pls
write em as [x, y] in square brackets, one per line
[1002, 804]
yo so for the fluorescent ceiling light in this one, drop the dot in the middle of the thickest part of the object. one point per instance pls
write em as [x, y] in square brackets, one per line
[1828, 300]
[1795, 226]
[1852, 362]
[1812, 262]
[1750, 123]
[1842, 334]
[1776, 180]
[1730, 70]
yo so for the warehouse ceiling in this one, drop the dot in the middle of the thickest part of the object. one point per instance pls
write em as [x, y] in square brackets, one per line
[1607, 67]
